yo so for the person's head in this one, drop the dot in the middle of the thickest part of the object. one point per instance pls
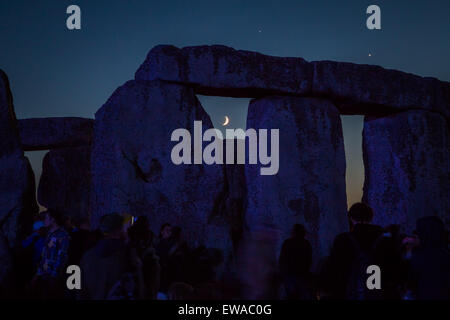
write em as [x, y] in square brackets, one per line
[139, 232]
[53, 218]
[141, 223]
[298, 231]
[360, 213]
[112, 225]
[166, 231]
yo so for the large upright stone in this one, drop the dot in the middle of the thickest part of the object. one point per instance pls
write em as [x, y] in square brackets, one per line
[17, 189]
[17, 186]
[223, 71]
[310, 185]
[407, 167]
[9, 138]
[55, 133]
[132, 170]
[66, 181]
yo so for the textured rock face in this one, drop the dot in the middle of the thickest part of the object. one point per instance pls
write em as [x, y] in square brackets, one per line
[310, 186]
[365, 89]
[55, 133]
[9, 142]
[354, 88]
[236, 200]
[223, 71]
[17, 187]
[17, 199]
[66, 180]
[407, 167]
[132, 169]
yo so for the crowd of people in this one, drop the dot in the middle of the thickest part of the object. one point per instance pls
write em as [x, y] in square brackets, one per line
[124, 260]
[412, 267]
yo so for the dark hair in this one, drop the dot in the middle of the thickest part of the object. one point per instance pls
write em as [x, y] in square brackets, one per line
[360, 212]
[139, 232]
[111, 223]
[298, 231]
[162, 227]
[56, 215]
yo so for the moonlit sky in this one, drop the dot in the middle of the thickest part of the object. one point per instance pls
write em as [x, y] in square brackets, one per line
[57, 72]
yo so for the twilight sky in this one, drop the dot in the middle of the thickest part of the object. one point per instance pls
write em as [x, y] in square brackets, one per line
[57, 72]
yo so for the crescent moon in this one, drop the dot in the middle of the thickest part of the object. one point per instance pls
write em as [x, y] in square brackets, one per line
[227, 121]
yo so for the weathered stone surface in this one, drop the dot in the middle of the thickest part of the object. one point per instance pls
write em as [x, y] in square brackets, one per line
[17, 189]
[9, 142]
[407, 167]
[310, 185]
[132, 170]
[223, 71]
[65, 181]
[236, 201]
[354, 88]
[365, 89]
[444, 99]
[17, 198]
[55, 133]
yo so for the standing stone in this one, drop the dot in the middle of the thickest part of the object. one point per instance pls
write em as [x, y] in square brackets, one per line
[132, 170]
[236, 201]
[310, 185]
[66, 180]
[17, 188]
[407, 167]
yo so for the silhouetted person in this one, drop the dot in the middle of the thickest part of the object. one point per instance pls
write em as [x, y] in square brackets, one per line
[144, 259]
[82, 239]
[164, 242]
[124, 289]
[162, 250]
[430, 262]
[106, 263]
[31, 252]
[388, 256]
[176, 259]
[365, 233]
[49, 280]
[294, 263]
[344, 273]
[139, 235]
